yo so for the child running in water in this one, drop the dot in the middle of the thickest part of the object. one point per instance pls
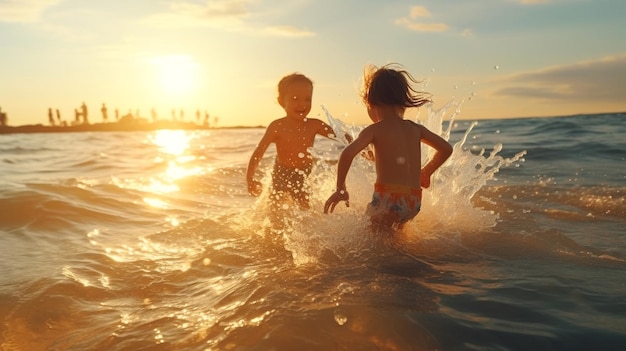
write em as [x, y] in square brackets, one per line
[293, 135]
[397, 149]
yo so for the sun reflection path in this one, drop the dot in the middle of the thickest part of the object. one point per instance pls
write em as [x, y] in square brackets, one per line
[174, 151]
[175, 147]
[172, 142]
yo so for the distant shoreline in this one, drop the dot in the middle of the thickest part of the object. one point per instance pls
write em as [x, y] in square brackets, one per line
[109, 127]
[142, 125]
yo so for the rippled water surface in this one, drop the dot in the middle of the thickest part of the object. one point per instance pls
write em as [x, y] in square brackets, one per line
[149, 241]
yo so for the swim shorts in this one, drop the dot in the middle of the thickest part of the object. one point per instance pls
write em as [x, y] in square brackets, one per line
[394, 203]
[290, 180]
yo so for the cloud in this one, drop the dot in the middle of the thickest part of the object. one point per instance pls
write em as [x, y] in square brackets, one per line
[287, 31]
[419, 11]
[599, 80]
[412, 21]
[227, 15]
[212, 9]
[24, 10]
[467, 33]
[533, 2]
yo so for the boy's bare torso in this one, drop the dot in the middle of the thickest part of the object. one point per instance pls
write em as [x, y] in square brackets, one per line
[293, 138]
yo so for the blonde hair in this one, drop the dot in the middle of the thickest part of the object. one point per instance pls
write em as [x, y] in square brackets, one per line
[391, 85]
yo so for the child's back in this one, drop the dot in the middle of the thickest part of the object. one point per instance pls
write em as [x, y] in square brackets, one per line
[397, 149]
[398, 153]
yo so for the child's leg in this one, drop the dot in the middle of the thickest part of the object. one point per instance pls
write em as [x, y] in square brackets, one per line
[302, 198]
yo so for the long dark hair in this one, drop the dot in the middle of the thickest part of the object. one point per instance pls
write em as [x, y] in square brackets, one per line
[391, 85]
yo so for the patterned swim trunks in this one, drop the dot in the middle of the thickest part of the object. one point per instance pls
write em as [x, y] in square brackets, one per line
[288, 180]
[394, 203]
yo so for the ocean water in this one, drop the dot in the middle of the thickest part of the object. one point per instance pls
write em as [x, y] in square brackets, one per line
[149, 241]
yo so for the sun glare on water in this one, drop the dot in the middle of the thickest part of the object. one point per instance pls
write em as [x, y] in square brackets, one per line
[175, 143]
[171, 142]
[173, 146]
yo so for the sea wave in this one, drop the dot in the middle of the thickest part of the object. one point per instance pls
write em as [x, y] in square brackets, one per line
[118, 241]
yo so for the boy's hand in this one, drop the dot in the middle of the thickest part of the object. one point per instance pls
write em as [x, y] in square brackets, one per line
[425, 180]
[255, 187]
[335, 198]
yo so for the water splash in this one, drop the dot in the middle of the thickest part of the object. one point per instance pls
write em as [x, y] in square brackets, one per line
[448, 206]
[449, 203]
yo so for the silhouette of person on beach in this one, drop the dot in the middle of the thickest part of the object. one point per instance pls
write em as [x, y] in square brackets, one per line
[117, 114]
[105, 116]
[206, 119]
[3, 118]
[58, 116]
[292, 135]
[84, 113]
[397, 142]
[50, 116]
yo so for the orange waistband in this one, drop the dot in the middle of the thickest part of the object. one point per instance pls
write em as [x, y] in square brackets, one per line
[397, 189]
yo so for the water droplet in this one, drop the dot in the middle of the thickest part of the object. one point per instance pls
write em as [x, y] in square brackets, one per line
[496, 67]
[301, 155]
[305, 119]
[340, 318]
[206, 261]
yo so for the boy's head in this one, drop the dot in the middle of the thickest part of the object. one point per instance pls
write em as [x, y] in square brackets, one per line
[295, 93]
[390, 86]
[286, 81]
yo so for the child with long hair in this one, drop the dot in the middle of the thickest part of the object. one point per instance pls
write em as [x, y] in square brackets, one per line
[397, 142]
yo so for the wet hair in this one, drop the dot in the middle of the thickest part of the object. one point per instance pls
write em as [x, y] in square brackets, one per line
[289, 79]
[391, 85]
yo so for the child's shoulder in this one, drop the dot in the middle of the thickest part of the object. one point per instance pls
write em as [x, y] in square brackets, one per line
[394, 127]
[315, 120]
[413, 125]
[277, 122]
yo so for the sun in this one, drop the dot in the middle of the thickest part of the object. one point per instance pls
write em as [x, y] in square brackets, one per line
[177, 74]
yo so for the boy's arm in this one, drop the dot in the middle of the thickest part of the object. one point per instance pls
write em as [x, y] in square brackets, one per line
[443, 151]
[254, 186]
[345, 161]
[325, 130]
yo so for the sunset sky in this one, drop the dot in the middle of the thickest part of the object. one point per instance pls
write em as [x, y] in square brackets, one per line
[503, 58]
